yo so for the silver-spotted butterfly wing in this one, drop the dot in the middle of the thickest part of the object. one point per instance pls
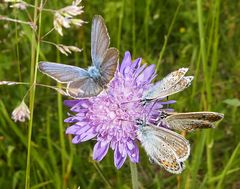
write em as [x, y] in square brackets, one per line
[164, 147]
[83, 83]
[173, 83]
[191, 120]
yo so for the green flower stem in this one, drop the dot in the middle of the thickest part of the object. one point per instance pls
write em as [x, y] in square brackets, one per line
[33, 77]
[166, 38]
[61, 128]
[39, 8]
[134, 175]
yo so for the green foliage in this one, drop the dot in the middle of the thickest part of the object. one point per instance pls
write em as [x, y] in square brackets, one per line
[202, 35]
[232, 102]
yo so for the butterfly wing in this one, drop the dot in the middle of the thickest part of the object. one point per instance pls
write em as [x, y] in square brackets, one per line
[109, 65]
[100, 41]
[83, 88]
[192, 120]
[62, 73]
[177, 142]
[166, 83]
[79, 83]
[165, 147]
[184, 83]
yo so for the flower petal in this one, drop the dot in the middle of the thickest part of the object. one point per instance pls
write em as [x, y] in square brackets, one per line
[169, 102]
[70, 103]
[83, 129]
[72, 129]
[133, 153]
[88, 135]
[76, 139]
[127, 61]
[119, 159]
[136, 64]
[74, 119]
[100, 150]
[139, 70]
[147, 74]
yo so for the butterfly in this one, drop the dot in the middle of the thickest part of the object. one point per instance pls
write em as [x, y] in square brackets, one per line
[83, 83]
[163, 146]
[190, 121]
[173, 83]
[166, 147]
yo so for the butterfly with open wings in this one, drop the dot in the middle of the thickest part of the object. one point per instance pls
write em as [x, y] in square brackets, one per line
[84, 83]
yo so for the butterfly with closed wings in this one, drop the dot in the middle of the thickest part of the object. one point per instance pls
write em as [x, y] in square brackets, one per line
[84, 83]
[163, 146]
[166, 147]
[190, 121]
[173, 83]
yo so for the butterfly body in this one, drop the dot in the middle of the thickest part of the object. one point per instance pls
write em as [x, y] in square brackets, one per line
[94, 73]
[84, 83]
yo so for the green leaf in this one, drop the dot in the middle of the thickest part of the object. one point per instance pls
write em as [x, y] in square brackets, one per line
[232, 102]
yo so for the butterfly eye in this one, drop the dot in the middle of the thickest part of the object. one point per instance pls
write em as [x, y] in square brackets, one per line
[145, 101]
[163, 115]
[139, 121]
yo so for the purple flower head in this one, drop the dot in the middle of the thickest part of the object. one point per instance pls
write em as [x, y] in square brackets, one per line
[111, 116]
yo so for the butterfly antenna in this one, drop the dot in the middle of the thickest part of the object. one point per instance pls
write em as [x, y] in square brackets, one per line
[127, 120]
[137, 100]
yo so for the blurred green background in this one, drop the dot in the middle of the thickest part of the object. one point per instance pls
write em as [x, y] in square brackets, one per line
[203, 35]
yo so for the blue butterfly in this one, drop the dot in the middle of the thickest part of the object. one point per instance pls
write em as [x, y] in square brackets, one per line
[83, 83]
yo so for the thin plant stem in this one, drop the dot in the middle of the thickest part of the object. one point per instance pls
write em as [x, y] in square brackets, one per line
[40, 8]
[120, 24]
[196, 75]
[133, 28]
[34, 61]
[17, 49]
[134, 175]
[101, 174]
[216, 38]
[227, 167]
[197, 157]
[49, 42]
[61, 127]
[207, 85]
[203, 49]
[57, 178]
[166, 37]
[10, 83]
[15, 20]
[45, 35]
[216, 178]
[84, 46]
[146, 22]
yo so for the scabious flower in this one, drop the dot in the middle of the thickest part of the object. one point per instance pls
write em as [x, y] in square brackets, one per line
[111, 116]
[21, 113]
